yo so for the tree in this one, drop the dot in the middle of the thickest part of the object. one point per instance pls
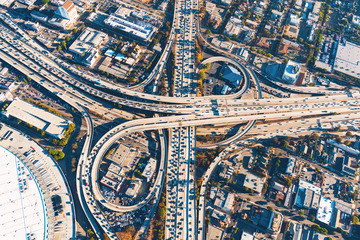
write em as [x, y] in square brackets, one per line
[348, 134]
[201, 75]
[227, 39]
[83, 28]
[270, 208]
[58, 48]
[75, 30]
[288, 181]
[284, 143]
[208, 31]
[314, 136]
[347, 142]
[354, 219]
[63, 43]
[338, 139]
[155, 41]
[301, 213]
[265, 187]
[67, 39]
[45, 2]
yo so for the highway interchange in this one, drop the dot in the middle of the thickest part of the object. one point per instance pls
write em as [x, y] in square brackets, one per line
[79, 90]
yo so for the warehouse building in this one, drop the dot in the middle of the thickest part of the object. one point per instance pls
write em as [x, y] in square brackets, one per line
[50, 123]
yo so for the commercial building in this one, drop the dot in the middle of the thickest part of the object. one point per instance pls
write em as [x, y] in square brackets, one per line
[65, 16]
[85, 47]
[224, 200]
[348, 59]
[226, 171]
[120, 154]
[89, 38]
[233, 27]
[133, 189]
[32, 26]
[325, 210]
[253, 182]
[52, 124]
[291, 166]
[110, 183]
[225, 2]
[112, 178]
[232, 75]
[115, 168]
[132, 23]
[291, 72]
[8, 84]
[222, 44]
[22, 206]
[355, 20]
[308, 195]
[6, 3]
[27, 2]
[246, 236]
[149, 170]
[215, 15]
[38, 16]
[243, 53]
[214, 233]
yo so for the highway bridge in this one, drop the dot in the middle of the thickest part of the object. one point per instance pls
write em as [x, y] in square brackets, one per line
[78, 89]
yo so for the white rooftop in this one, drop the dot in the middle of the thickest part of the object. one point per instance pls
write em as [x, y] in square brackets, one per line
[306, 185]
[137, 28]
[291, 72]
[325, 210]
[246, 236]
[348, 59]
[44, 120]
[149, 169]
[88, 39]
[133, 188]
[22, 210]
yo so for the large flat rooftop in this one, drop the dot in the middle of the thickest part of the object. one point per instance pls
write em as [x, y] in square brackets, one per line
[46, 121]
[348, 59]
[23, 214]
[88, 39]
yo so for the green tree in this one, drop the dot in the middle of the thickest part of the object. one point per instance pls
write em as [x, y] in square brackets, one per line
[75, 30]
[354, 219]
[63, 43]
[58, 48]
[270, 208]
[301, 213]
[155, 41]
[67, 39]
[201, 75]
[45, 2]
[208, 31]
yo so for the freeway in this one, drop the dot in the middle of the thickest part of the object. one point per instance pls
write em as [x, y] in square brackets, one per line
[83, 80]
[210, 110]
[194, 109]
[307, 126]
[171, 122]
